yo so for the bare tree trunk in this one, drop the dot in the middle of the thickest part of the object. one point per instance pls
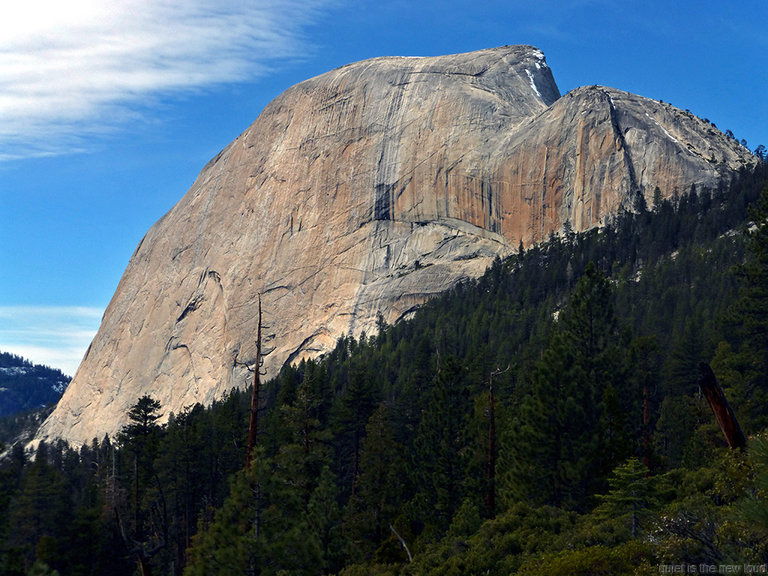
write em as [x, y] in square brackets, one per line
[254, 424]
[144, 568]
[722, 410]
[402, 543]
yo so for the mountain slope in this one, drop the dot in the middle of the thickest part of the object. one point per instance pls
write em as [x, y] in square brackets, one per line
[365, 191]
[27, 386]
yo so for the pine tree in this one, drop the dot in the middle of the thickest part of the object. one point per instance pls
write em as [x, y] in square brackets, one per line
[149, 528]
[41, 512]
[307, 442]
[631, 497]
[546, 449]
[750, 315]
[753, 507]
[439, 456]
[227, 544]
[324, 518]
[569, 431]
[350, 413]
[377, 501]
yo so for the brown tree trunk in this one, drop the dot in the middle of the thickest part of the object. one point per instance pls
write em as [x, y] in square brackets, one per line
[254, 424]
[722, 410]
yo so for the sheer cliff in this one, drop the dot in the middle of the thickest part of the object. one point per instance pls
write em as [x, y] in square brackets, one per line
[364, 190]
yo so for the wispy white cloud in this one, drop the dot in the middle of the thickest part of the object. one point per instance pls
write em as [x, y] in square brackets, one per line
[72, 69]
[56, 336]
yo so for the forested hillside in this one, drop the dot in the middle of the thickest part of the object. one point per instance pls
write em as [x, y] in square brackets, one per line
[28, 393]
[26, 386]
[545, 418]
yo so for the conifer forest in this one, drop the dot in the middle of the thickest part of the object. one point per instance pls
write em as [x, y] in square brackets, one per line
[547, 418]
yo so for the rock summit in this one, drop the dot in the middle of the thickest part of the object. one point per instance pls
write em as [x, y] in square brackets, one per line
[367, 190]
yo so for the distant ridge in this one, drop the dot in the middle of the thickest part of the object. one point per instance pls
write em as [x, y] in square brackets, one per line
[27, 386]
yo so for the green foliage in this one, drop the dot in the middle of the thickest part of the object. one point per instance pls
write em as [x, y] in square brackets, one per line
[630, 559]
[324, 519]
[752, 508]
[631, 498]
[227, 544]
[40, 568]
[438, 460]
[500, 545]
[376, 458]
[376, 501]
[744, 357]
[41, 511]
[571, 430]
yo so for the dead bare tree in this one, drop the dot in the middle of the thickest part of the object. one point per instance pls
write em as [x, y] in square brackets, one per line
[402, 543]
[726, 419]
[253, 427]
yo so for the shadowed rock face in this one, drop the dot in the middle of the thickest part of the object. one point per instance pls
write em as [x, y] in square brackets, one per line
[366, 190]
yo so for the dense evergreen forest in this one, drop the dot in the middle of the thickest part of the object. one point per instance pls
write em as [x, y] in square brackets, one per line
[28, 393]
[543, 419]
[25, 386]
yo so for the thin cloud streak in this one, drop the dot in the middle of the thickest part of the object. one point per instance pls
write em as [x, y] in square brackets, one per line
[70, 70]
[56, 336]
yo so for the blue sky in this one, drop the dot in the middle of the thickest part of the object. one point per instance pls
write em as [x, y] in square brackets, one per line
[109, 108]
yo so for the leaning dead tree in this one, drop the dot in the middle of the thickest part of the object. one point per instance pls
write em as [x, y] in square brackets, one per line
[402, 543]
[726, 419]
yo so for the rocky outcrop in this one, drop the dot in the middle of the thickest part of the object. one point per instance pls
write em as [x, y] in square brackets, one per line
[367, 190]
[594, 151]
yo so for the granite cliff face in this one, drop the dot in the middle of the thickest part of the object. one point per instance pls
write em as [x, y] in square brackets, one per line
[367, 190]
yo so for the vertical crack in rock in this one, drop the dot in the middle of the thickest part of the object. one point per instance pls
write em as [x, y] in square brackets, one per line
[388, 168]
[634, 186]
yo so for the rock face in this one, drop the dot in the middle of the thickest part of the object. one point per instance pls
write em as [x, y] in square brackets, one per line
[367, 190]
